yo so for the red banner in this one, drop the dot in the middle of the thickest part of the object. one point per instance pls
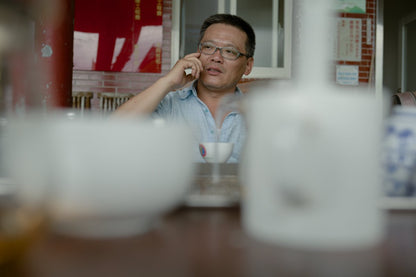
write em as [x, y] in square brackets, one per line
[122, 35]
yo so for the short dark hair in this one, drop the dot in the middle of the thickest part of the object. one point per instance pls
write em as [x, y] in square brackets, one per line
[234, 21]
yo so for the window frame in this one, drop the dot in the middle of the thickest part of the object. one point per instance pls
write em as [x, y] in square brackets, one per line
[257, 72]
[403, 49]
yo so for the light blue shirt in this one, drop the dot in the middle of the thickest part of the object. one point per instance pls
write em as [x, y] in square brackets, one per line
[184, 105]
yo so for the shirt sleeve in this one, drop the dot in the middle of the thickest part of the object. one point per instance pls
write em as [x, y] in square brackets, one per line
[164, 109]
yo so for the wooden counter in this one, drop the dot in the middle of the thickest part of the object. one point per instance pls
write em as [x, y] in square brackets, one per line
[211, 242]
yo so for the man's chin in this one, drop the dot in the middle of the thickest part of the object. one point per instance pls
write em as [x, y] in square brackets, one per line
[216, 86]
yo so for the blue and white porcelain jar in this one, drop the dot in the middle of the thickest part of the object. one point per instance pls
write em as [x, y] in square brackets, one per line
[399, 152]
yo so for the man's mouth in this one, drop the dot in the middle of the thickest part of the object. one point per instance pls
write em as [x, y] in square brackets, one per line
[213, 70]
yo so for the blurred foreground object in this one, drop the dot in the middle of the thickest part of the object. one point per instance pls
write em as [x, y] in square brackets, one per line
[313, 173]
[311, 165]
[17, 73]
[104, 178]
[20, 224]
[399, 152]
[36, 38]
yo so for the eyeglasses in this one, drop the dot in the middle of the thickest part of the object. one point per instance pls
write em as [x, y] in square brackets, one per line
[229, 53]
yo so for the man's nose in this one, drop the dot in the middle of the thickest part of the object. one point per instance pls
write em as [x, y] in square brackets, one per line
[217, 56]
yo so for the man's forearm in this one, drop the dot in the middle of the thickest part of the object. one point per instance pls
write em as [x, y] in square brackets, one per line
[146, 101]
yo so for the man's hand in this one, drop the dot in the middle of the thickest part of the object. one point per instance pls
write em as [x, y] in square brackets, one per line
[177, 77]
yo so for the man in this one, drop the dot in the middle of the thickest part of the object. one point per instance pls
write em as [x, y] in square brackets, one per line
[225, 54]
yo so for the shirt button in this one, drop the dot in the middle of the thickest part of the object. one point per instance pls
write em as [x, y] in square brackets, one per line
[212, 131]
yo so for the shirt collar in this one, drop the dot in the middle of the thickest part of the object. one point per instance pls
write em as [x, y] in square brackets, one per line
[191, 90]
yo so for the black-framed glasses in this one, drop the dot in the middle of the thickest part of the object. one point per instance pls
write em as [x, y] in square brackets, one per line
[227, 52]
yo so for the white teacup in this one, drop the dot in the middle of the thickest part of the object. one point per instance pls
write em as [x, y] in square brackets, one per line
[216, 152]
[106, 178]
[311, 169]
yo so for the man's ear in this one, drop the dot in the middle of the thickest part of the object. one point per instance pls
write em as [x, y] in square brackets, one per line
[249, 65]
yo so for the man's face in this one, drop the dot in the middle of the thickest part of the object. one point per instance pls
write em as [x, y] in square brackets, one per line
[220, 74]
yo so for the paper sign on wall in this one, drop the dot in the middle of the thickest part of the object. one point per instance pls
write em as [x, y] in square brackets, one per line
[348, 39]
[347, 75]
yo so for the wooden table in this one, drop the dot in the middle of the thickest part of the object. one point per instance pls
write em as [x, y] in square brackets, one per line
[211, 242]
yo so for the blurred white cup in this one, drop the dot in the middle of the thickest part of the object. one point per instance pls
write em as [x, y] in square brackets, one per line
[105, 178]
[216, 152]
[311, 169]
